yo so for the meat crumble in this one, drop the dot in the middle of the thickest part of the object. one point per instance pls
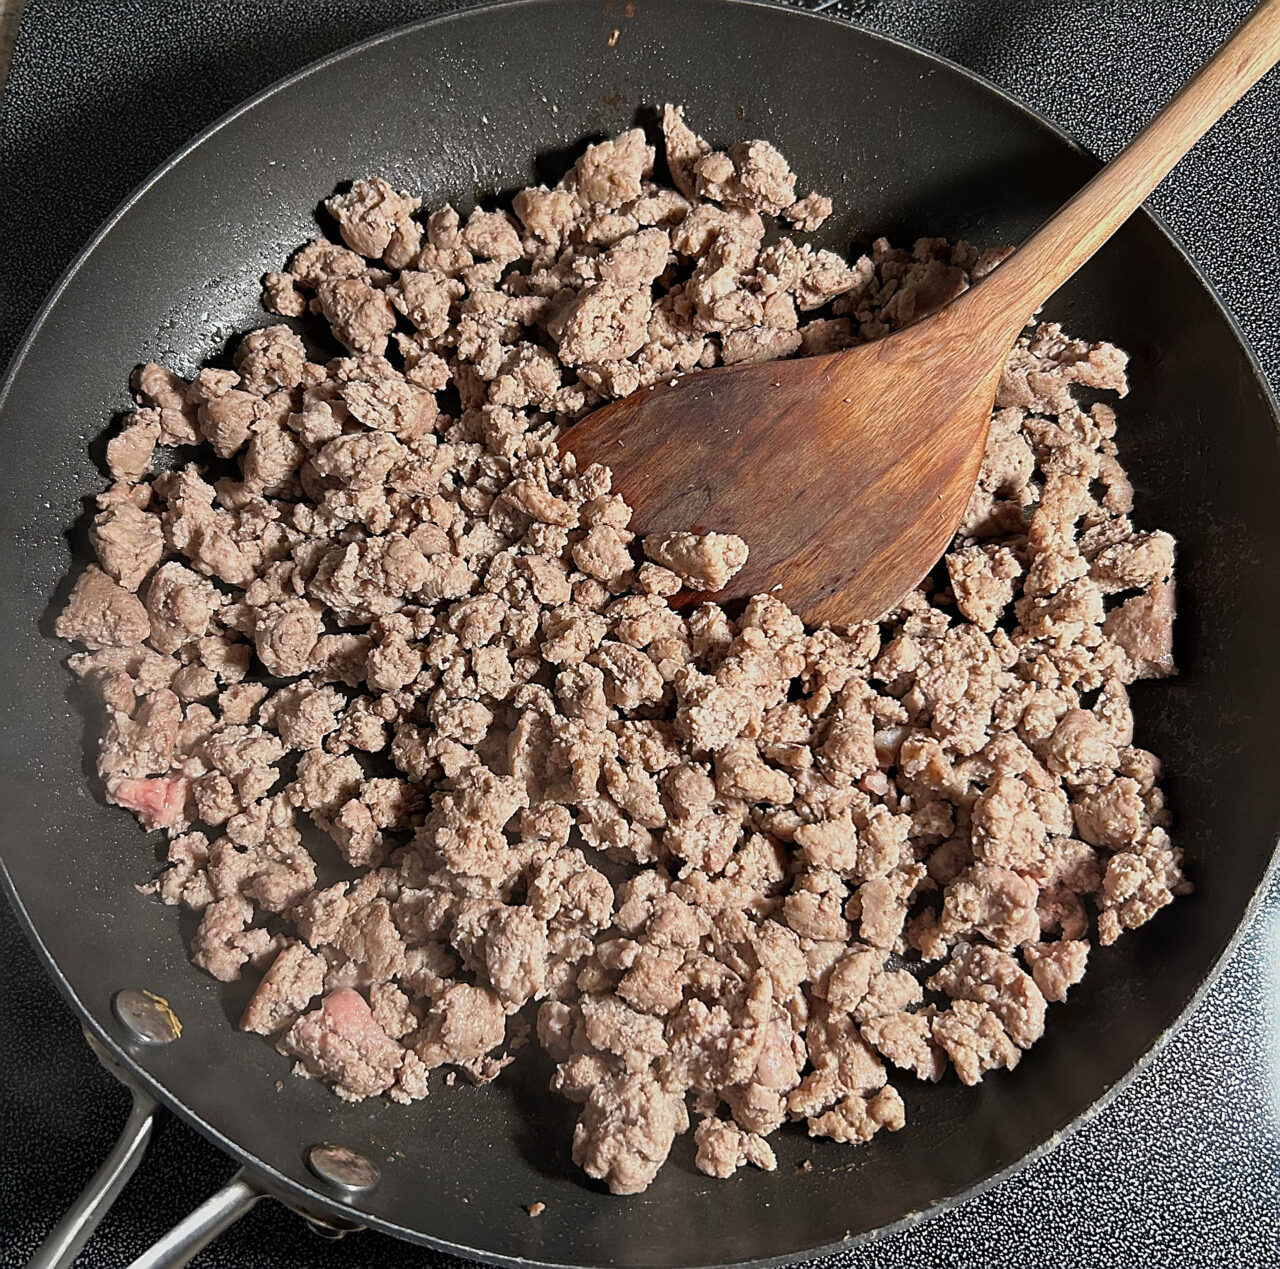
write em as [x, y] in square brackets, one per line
[730, 870]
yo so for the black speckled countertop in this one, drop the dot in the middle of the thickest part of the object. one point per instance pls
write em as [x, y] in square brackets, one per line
[1183, 1168]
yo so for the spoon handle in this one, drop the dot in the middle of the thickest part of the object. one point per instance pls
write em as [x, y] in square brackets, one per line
[1009, 295]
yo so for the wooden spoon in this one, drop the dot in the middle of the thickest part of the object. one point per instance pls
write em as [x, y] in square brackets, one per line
[847, 474]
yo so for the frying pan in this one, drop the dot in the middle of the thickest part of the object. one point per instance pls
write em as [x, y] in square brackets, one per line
[483, 102]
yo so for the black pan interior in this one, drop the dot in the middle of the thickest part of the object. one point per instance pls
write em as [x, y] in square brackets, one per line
[484, 102]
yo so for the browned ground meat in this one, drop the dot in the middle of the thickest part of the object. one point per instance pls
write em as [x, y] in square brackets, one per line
[410, 626]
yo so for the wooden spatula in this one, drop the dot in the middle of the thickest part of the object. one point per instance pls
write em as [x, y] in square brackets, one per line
[848, 473]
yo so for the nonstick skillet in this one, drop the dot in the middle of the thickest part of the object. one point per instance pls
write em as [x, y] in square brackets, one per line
[482, 102]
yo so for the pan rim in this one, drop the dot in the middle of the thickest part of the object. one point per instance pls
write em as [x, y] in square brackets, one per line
[285, 1187]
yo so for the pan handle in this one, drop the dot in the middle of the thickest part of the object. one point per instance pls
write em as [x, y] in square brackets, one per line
[63, 1244]
[218, 1212]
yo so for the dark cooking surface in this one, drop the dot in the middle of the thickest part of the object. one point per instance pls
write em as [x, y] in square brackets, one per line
[1182, 1169]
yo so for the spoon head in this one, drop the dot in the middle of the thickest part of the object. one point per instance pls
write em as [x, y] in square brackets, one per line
[846, 474]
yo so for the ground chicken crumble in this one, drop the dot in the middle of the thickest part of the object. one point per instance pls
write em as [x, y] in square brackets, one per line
[743, 868]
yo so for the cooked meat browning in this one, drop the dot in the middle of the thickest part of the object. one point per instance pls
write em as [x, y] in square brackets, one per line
[409, 624]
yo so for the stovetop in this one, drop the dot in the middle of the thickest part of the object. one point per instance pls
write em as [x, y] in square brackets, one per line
[1183, 1167]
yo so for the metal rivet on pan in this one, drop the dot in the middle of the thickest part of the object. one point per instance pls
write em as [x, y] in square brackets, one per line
[329, 1227]
[343, 1168]
[148, 1017]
